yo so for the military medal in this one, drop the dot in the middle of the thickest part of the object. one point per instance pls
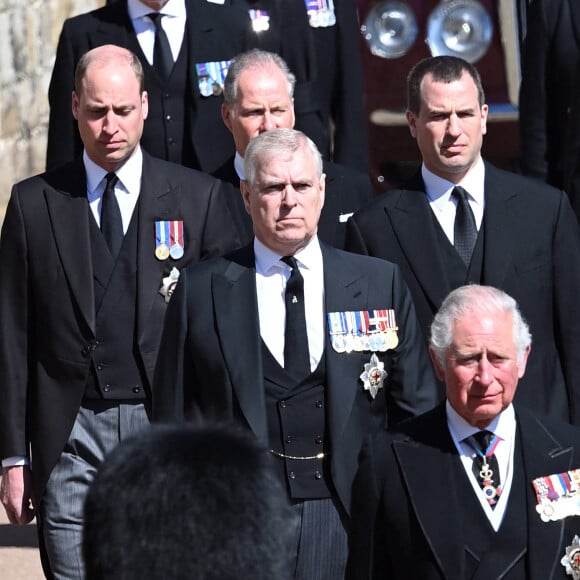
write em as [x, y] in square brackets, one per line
[490, 491]
[162, 240]
[558, 495]
[169, 284]
[260, 20]
[373, 375]
[176, 249]
[210, 77]
[320, 13]
[571, 560]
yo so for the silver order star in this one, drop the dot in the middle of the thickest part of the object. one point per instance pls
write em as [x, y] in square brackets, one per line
[571, 561]
[373, 375]
[169, 283]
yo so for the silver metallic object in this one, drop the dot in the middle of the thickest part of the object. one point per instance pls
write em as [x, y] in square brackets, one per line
[460, 28]
[390, 29]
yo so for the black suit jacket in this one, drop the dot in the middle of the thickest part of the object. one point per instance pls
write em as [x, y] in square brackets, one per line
[549, 95]
[214, 32]
[531, 251]
[47, 305]
[329, 93]
[211, 354]
[406, 508]
[346, 191]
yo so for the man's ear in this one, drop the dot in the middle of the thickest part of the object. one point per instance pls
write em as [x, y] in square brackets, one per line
[75, 105]
[226, 112]
[245, 190]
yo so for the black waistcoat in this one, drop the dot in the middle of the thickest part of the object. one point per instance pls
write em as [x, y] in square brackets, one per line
[296, 425]
[166, 131]
[457, 273]
[487, 552]
[116, 369]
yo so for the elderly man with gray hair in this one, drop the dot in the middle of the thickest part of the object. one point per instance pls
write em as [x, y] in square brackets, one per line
[477, 487]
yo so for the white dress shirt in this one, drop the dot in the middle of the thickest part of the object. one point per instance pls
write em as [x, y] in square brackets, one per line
[173, 23]
[444, 205]
[504, 426]
[271, 278]
[126, 190]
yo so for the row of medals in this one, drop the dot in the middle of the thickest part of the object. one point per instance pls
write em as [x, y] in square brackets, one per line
[376, 341]
[162, 252]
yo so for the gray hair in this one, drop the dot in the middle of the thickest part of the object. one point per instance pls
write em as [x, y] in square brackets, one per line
[277, 143]
[475, 299]
[254, 59]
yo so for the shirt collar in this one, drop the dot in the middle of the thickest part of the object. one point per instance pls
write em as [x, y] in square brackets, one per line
[439, 189]
[503, 425]
[129, 173]
[239, 166]
[136, 9]
[309, 257]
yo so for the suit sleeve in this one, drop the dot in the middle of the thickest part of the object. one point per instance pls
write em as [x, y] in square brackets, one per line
[220, 234]
[14, 333]
[411, 385]
[64, 142]
[354, 239]
[566, 276]
[348, 114]
[173, 360]
[533, 94]
[366, 531]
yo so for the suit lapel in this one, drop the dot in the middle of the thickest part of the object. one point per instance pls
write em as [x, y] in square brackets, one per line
[543, 455]
[68, 208]
[344, 288]
[158, 200]
[427, 471]
[420, 245]
[498, 223]
[235, 307]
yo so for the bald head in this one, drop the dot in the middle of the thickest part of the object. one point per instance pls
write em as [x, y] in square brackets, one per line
[106, 55]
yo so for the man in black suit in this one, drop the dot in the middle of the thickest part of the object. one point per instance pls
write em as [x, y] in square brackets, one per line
[198, 502]
[89, 256]
[520, 235]
[320, 43]
[183, 124]
[477, 487]
[307, 346]
[549, 96]
[258, 96]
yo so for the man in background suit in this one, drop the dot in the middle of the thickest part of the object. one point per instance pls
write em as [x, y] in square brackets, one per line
[430, 503]
[199, 502]
[307, 346]
[549, 96]
[320, 43]
[183, 124]
[520, 235]
[259, 96]
[82, 307]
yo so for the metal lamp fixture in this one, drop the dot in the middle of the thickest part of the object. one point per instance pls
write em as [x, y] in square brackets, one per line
[390, 29]
[459, 28]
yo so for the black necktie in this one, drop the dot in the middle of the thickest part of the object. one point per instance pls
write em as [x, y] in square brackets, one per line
[485, 466]
[111, 222]
[464, 229]
[296, 355]
[162, 57]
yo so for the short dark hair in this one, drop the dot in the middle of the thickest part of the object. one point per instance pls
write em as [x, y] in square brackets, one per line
[443, 69]
[194, 502]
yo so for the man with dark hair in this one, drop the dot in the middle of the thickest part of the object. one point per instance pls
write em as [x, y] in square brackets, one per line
[307, 346]
[89, 255]
[461, 220]
[200, 502]
[185, 47]
[259, 96]
[477, 487]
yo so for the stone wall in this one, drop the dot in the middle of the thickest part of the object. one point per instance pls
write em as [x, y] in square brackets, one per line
[29, 31]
